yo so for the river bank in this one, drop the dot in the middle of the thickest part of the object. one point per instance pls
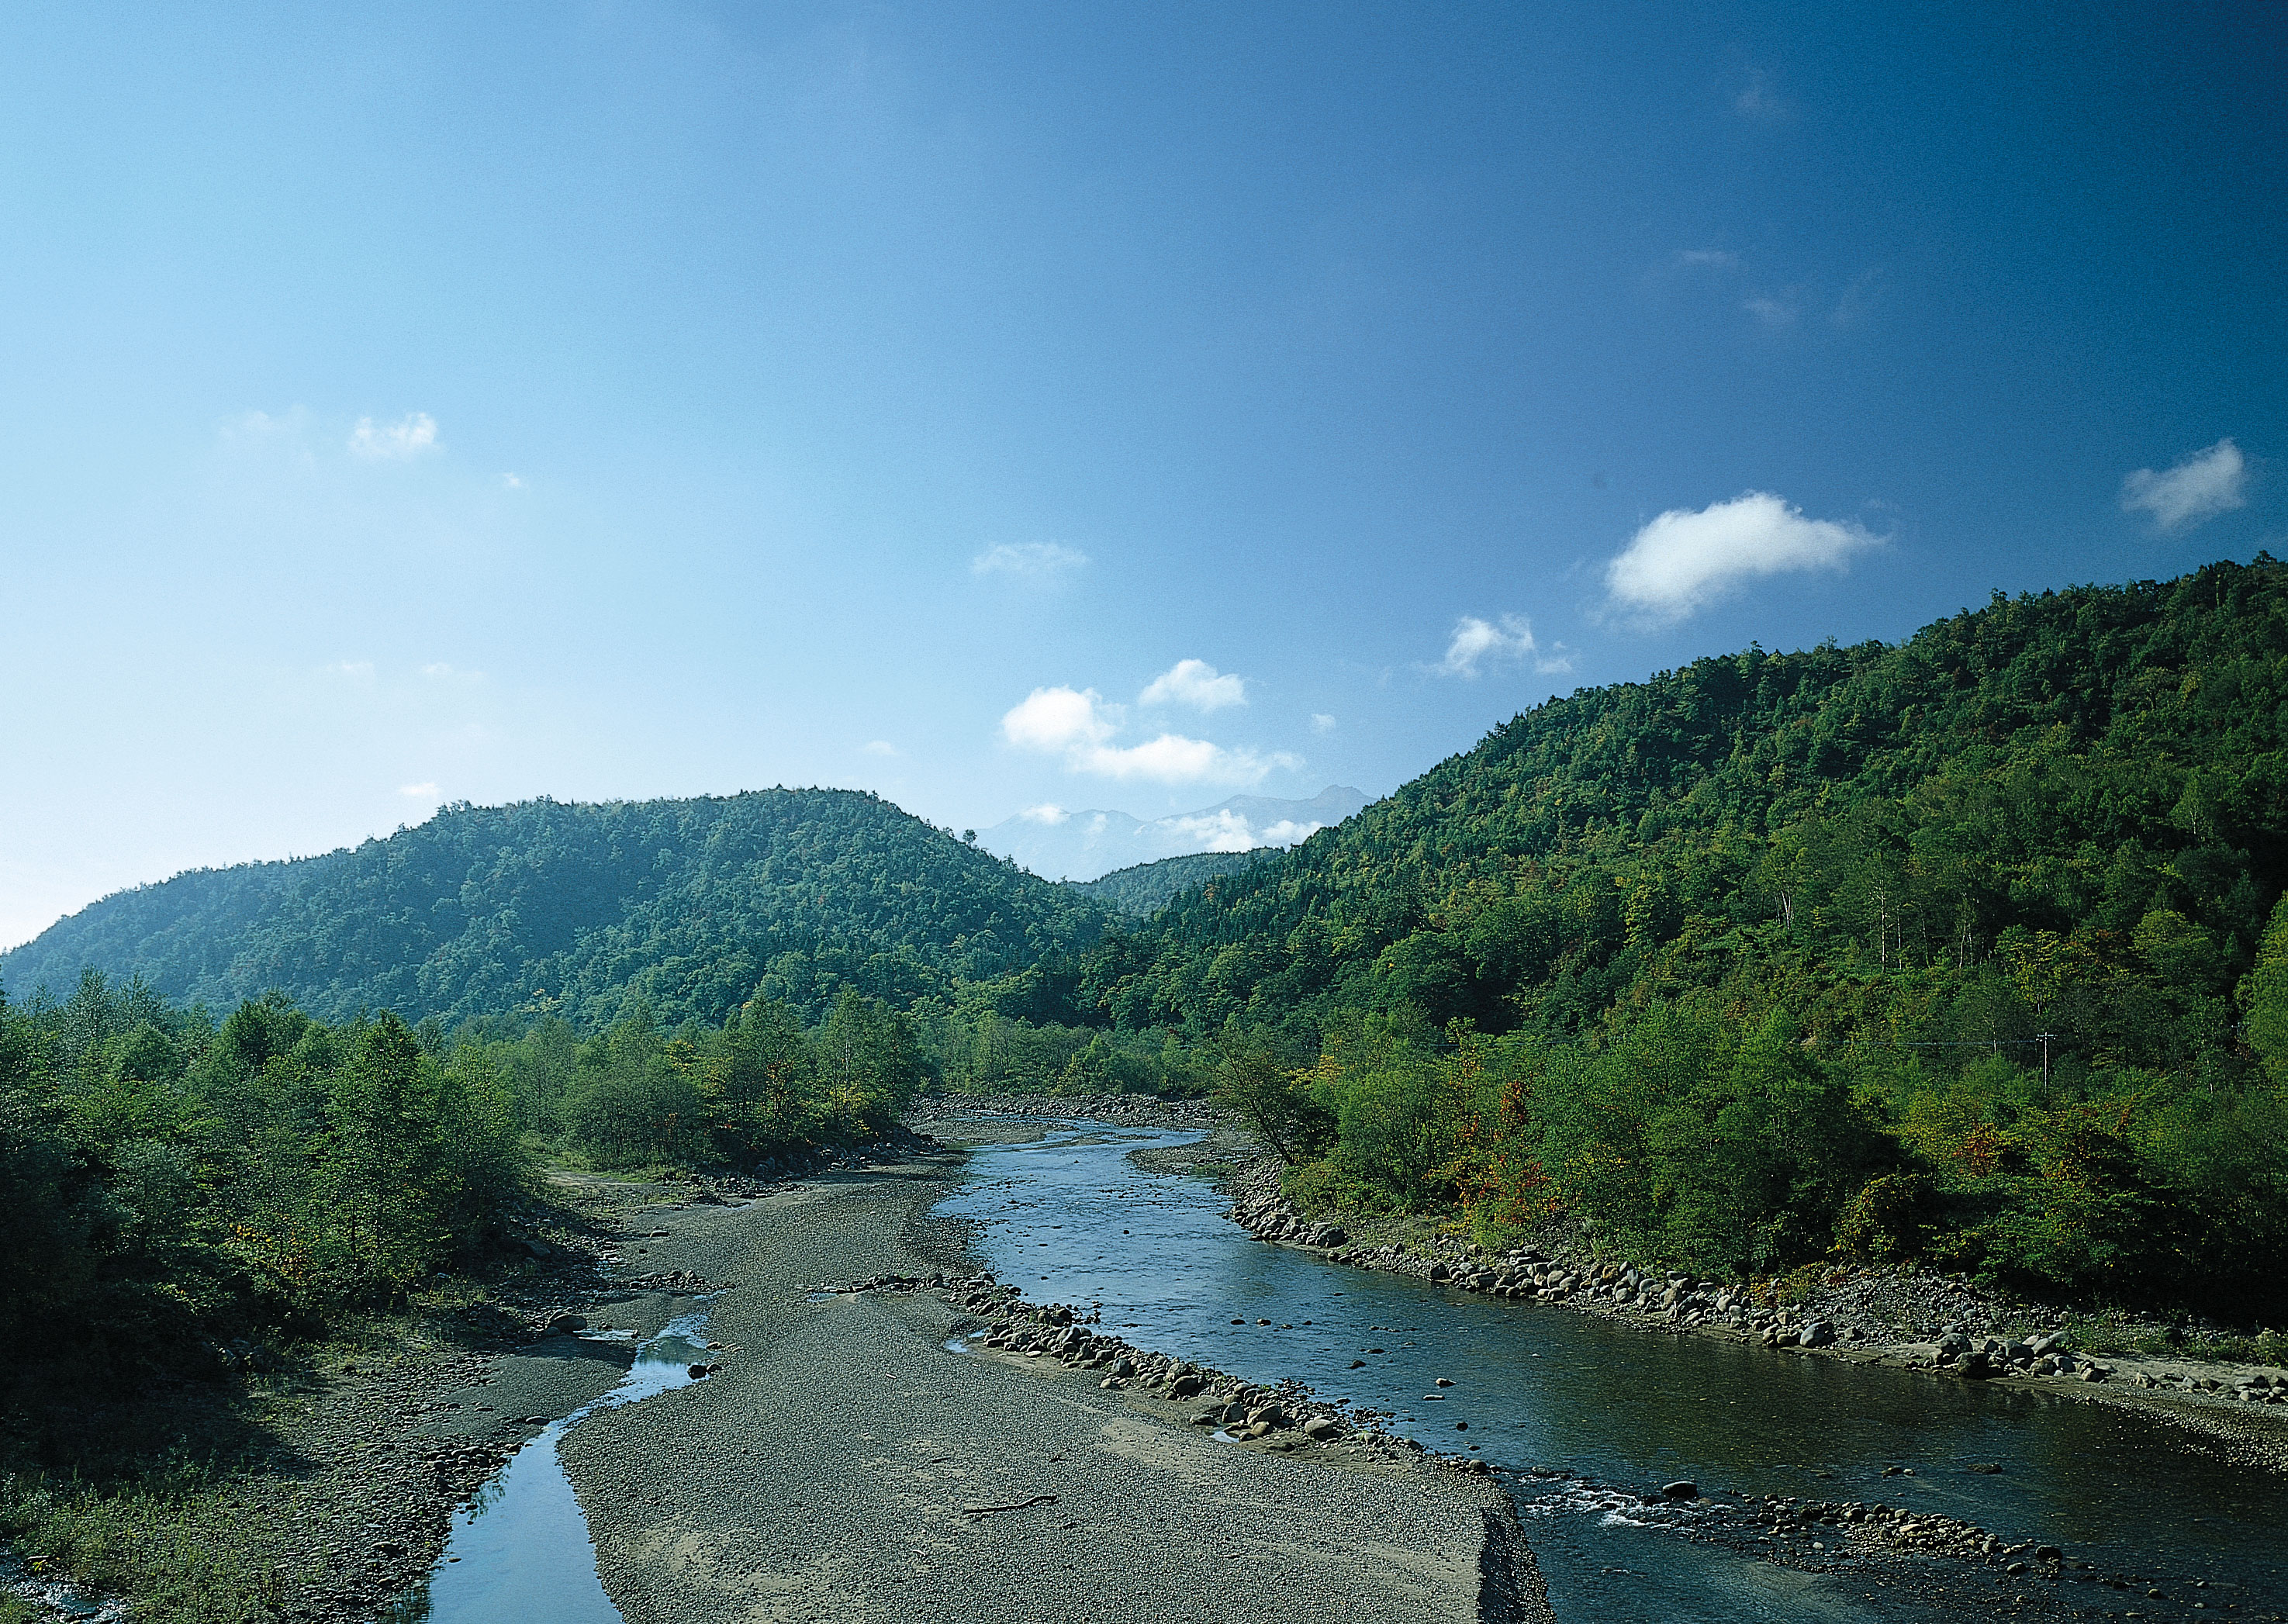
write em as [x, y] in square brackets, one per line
[845, 1463]
[1942, 1327]
[317, 1484]
[839, 1462]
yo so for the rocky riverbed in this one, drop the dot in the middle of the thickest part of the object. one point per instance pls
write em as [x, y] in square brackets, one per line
[839, 1461]
[1943, 1325]
[845, 1463]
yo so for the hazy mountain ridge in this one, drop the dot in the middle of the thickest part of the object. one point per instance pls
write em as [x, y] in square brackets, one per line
[1141, 892]
[1087, 845]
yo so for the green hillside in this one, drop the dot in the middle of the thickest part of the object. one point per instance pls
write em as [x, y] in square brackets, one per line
[1143, 889]
[547, 908]
[1755, 960]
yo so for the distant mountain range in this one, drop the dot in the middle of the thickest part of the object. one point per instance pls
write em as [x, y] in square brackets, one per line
[1058, 844]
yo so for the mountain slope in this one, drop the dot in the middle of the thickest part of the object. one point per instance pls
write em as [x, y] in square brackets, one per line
[1971, 950]
[1144, 890]
[2047, 761]
[492, 910]
[1086, 845]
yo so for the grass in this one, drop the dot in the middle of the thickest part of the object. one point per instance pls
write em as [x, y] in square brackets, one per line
[2103, 1337]
[162, 1536]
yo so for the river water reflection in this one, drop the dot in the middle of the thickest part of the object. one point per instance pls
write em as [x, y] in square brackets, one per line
[1069, 1218]
[520, 1553]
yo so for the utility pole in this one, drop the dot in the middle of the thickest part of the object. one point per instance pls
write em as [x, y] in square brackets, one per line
[2045, 1037]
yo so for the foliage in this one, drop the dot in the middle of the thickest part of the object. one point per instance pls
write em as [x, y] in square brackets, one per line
[540, 908]
[1970, 949]
[759, 1086]
[1142, 889]
[169, 1183]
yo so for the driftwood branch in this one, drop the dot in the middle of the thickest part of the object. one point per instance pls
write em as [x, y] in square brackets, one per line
[1037, 1500]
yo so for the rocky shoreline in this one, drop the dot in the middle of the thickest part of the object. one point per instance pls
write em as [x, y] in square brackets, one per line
[1941, 1326]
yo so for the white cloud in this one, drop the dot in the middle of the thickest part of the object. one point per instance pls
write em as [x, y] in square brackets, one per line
[1477, 642]
[1225, 830]
[1287, 831]
[1079, 725]
[1684, 559]
[1048, 814]
[354, 670]
[408, 437]
[1715, 258]
[419, 792]
[2200, 486]
[1772, 313]
[1197, 684]
[1217, 831]
[1033, 560]
[1060, 719]
[1322, 722]
[879, 747]
[511, 482]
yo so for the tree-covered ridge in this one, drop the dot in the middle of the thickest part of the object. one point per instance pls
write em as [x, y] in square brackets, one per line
[1969, 948]
[550, 908]
[1142, 889]
[2050, 762]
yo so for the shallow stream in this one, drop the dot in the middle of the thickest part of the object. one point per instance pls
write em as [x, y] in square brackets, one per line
[1070, 1218]
[519, 1551]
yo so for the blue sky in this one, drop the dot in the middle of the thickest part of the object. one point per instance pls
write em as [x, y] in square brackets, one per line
[448, 402]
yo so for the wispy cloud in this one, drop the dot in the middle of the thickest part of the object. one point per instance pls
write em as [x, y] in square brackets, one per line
[1031, 560]
[1859, 298]
[353, 670]
[1477, 644]
[879, 747]
[1760, 100]
[511, 482]
[2200, 486]
[412, 435]
[1048, 814]
[419, 792]
[1322, 722]
[1773, 312]
[1197, 684]
[1077, 725]
[1684, 559]
[1711, 259]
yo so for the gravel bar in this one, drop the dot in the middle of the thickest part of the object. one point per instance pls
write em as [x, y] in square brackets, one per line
[841, 1462]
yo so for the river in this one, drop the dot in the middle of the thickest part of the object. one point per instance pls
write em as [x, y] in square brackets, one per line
[1583, 1419]
[1069, 1217]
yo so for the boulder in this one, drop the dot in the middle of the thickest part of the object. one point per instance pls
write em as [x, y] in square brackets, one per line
[1320, 1427]
[1683, 1488]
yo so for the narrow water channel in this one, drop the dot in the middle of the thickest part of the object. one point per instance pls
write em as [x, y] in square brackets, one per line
[1070, 1218]
[520, 1552]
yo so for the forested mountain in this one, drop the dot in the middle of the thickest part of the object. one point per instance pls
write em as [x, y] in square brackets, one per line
[1965, 947]
[1141, 892]
[549, 908]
